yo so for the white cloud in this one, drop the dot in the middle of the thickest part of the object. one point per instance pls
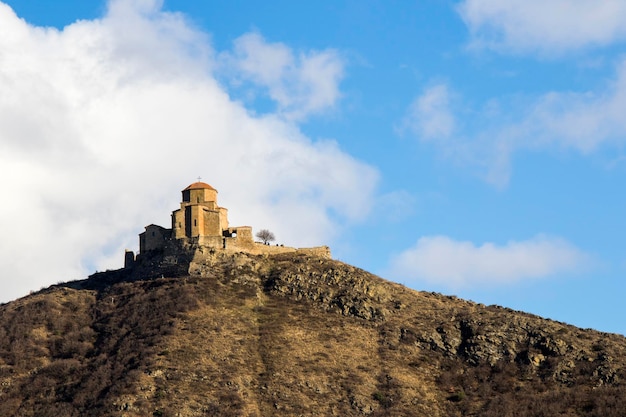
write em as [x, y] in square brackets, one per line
[104, 122]
[430, 116]
[301, 84]
[584, 121]
[547, 27]
[486, 137]
[455, 264]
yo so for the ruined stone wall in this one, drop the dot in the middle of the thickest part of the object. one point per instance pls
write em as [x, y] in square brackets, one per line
[238, 238]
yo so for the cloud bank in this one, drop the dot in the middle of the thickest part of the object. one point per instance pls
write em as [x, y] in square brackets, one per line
[461, 264]
[548, 28]
[104, 122]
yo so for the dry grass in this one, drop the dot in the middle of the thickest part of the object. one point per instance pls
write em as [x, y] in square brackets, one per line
[293, 336]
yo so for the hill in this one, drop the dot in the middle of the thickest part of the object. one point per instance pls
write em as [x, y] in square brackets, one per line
[291, 335]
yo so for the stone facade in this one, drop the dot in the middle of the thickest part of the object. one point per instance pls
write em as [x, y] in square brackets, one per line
[200, 224]
[153, 238]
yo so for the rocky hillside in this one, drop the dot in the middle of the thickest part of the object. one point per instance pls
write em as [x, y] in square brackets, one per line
[291, 335]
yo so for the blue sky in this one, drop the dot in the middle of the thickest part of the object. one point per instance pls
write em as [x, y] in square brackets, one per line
[472, 147]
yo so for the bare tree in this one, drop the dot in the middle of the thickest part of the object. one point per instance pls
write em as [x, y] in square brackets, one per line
[265, 235]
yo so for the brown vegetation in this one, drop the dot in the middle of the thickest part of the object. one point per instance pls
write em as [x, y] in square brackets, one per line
[292, 335]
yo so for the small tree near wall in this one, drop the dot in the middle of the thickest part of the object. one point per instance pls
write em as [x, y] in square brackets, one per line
[265, 235]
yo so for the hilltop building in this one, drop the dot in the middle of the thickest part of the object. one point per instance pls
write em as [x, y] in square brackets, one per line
[201, 223]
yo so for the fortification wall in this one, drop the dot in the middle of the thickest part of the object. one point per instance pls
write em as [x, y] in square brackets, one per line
[202, 257]
[259, 249]
[321, 251]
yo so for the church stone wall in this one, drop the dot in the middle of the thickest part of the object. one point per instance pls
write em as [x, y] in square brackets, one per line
[200, 195]
[178, 224]
[153, 238]
[211, 222]
[223, 217]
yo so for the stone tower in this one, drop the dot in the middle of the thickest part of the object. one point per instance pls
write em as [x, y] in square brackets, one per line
[199, 218]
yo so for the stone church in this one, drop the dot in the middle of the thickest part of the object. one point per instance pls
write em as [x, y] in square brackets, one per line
[201, 223]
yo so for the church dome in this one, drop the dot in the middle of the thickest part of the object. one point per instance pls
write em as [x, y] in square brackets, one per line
[199, 186]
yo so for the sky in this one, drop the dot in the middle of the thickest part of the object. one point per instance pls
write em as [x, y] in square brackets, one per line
[473, 147]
